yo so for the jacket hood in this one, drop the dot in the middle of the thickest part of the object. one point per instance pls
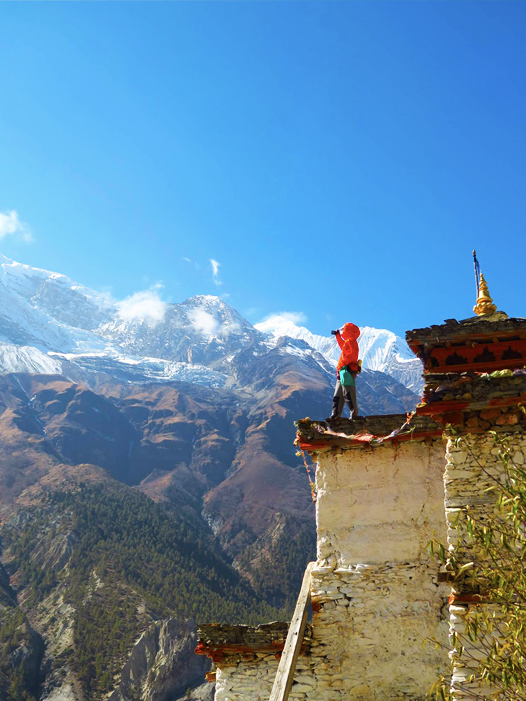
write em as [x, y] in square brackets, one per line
[350, 331]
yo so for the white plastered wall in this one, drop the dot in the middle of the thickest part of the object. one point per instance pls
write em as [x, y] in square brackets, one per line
[375, 584]
[375, 580]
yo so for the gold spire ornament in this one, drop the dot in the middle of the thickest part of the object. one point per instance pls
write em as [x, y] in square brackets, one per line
[484, 303]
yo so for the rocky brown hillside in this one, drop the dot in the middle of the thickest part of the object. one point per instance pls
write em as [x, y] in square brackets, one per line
[222, 460]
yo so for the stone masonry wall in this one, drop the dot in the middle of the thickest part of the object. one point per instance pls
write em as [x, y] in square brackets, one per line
[239, 679]
[472, 462]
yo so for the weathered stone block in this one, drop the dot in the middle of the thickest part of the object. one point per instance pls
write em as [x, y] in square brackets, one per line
[489, 414]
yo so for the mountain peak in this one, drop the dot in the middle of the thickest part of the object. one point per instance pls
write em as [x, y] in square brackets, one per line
[209, 302]
[48, 311]
[12, 268]
[205, 298]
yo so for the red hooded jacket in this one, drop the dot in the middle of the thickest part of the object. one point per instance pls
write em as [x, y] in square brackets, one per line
[349, 346]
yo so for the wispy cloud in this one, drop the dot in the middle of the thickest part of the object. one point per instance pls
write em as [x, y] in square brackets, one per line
[215, 271]
[10, 224]
[143, 306]
[203, 322]
[191, 262]
[295, 317]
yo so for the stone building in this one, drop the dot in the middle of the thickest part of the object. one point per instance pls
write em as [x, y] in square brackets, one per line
[386, 485]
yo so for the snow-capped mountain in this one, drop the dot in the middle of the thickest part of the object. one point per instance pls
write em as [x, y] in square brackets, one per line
[51, 324]
[201, 329]
[48, 310]
[380, 350]
[383, 351]
[279, 326]
[27, 359]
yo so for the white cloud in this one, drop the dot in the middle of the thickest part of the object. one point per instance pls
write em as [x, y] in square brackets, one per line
[143, 306]
[294, 317]
[191, 262]
[11, 224]
[203, 322]
[215, 271]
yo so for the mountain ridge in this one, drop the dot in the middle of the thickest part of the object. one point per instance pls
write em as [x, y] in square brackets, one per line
[380, 350]
[47, 314]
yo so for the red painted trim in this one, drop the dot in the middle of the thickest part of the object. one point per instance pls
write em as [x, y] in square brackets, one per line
[439, 407]
[314, 446]
[368, 439]
[279, 644]
[466, 599]
[470, 351]
[421, 436]
[508, 401]
[476, 367]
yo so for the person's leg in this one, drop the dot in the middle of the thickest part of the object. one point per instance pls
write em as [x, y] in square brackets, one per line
[337, 402]
[354, 401]
[341, 403]
[349, 393]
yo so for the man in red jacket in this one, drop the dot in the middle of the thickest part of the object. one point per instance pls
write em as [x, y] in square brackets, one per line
[346, 392]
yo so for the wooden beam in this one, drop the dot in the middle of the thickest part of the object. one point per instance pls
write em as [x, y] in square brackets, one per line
[291, 651]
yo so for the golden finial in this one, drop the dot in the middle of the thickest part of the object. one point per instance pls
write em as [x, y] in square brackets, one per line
[484, 303]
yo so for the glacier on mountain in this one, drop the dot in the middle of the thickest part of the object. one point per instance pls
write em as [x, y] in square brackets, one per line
[50, 324]
[134, 370]
[48, 311]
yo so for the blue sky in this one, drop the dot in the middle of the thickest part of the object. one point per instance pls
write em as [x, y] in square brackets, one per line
[339, 160]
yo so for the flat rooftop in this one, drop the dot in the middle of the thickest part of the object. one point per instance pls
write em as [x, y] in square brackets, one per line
[315, 435]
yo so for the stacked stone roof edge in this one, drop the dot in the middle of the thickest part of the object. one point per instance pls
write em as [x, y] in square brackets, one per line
[232, 639]
[473, 326]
